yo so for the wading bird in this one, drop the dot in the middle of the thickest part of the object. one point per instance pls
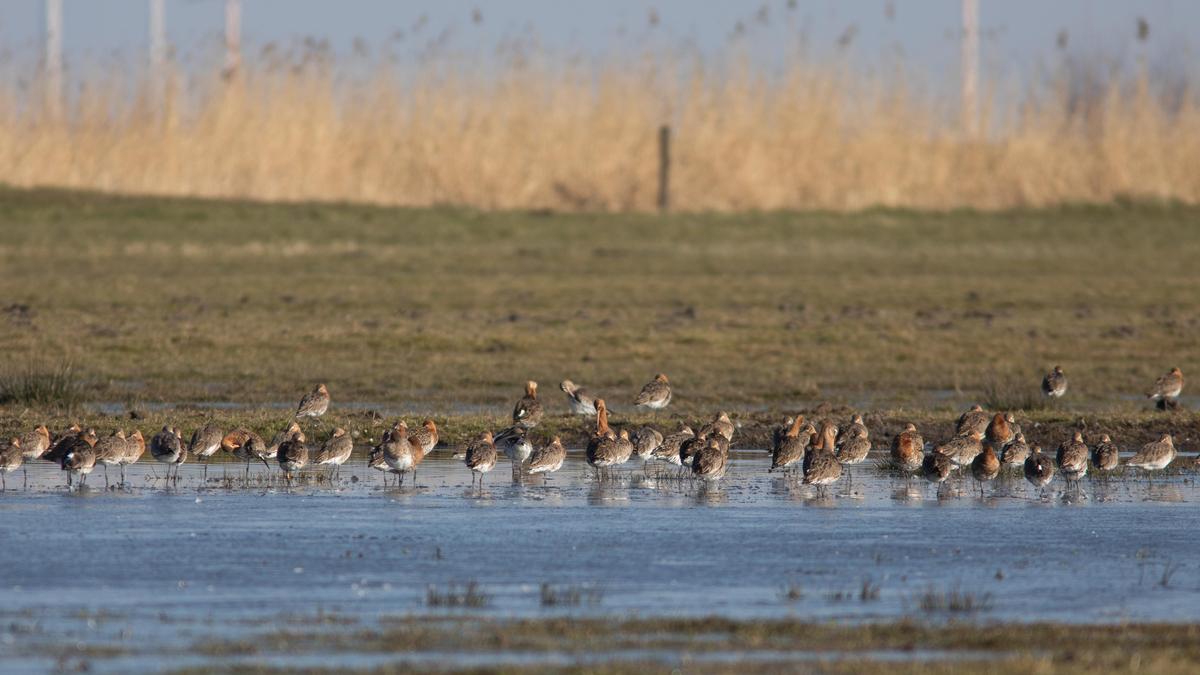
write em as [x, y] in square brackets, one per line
[314, 403]
[1166, 389]
[481, 456]
[527, 414]
[335, 451]
[579, 400]
[1054, 384]
[656, 394]
[167, 447]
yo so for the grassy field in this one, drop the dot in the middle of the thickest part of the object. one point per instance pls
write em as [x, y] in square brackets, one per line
[175, 301]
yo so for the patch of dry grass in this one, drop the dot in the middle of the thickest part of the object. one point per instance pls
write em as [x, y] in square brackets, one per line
[985, 648]
[540, 130]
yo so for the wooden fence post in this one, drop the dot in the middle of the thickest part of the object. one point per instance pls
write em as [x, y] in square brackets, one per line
[664, 168]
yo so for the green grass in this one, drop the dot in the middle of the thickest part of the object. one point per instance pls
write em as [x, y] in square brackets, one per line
[185, 300]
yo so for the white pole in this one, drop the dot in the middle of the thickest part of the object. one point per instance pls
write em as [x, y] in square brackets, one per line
[970, 66]
[158, 50]
[233, 37]
[53, 61]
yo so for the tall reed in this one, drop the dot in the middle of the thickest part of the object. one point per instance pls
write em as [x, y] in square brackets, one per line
[541, 132]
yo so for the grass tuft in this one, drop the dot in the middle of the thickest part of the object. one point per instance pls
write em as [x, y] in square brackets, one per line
[954, 601]
[39, 385]
[792, 592]
[569, 596]
[1004, 393]
[469, 596]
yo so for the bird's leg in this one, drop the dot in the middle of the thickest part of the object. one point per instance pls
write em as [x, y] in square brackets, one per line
[105, 476]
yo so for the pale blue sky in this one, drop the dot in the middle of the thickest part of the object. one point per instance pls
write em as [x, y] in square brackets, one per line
[1020, 34]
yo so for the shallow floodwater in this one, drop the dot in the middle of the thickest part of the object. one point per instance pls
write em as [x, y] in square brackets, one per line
[160, 568]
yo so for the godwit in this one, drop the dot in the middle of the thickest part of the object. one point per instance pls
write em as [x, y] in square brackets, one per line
[656, 394]
[135, 447]
[292, 455]
[711, 461]
[1105, 454]
[780, 431]
[335, 451]
[645, 441]
[625, 447]
[855, 427]
[167, 447]
[247, 446]
[668, 450]
[515, 445]
[281, 437]
[481, 456]
[79, 458]
[1154, 456]
[985, 466]
[854, 450]
[579, 400]
[1039, 470]
[548, 458]
[403, 453]
[58, 445]
[1166, 389]
[1017, 452]
[690, 448]
[602, 450]
[11, 459]
[789, 451]
[1054, 384]
[110, 450]
[1072, 458]
[721, 424]
[35, 443]
[974, 419]
[205, 443]
[314, 403]
[1000, 431]
[961, 450]
[936, 467]
[528, 411]
[376, 461]
[820, 465]
[908, 449]
[425, 435]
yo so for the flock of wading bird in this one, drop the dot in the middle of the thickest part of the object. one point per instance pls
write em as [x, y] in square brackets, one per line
[984, 443]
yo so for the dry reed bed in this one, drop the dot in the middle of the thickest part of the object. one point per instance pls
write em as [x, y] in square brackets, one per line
[532, 135]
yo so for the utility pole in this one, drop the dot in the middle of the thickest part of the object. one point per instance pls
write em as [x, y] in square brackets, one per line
[233, 38]
[52, 59]
[158, 52]
[970, 67]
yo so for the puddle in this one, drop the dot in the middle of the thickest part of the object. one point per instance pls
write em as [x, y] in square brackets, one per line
[175, 566]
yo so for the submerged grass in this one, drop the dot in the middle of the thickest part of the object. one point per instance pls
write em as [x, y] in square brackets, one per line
[953, 601]
[470, 596]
